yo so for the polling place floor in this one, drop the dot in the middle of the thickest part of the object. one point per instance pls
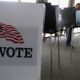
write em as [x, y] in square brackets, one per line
[69, 59]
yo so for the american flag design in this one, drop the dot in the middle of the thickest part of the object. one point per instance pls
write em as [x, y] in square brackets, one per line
[10, 33]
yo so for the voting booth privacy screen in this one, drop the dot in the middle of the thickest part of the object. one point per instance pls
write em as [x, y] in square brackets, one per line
[53, 18]
[21, 27]
[47, 19]
[59, 23]
[69, 17]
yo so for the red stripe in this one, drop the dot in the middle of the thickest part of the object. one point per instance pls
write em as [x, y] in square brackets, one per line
[2, 36]
[14, 37]
[13, 40]
[2, 33]
[13, 34]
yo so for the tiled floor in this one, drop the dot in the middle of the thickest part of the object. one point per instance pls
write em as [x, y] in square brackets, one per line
[69, 60]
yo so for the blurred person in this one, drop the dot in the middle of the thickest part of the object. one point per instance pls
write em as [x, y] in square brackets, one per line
[69, 30]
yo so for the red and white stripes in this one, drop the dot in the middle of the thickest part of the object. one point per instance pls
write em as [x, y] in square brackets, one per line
[10, 33]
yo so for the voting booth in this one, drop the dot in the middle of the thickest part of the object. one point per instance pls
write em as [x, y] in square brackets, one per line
[53, 19]
[21, 27]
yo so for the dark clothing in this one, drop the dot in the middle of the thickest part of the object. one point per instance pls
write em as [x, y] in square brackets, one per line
[69, 36]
